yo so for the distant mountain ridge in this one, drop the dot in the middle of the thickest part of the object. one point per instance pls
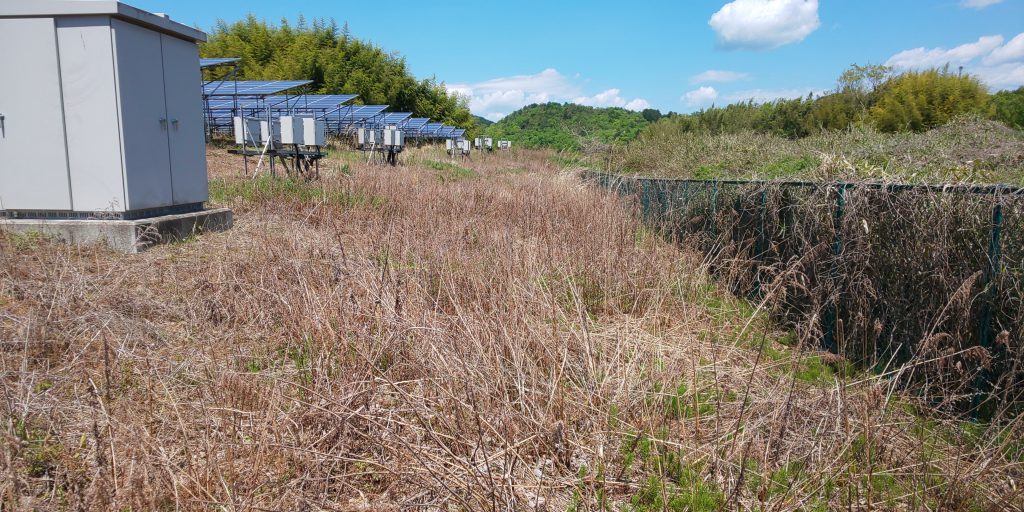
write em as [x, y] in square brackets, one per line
[567, 125]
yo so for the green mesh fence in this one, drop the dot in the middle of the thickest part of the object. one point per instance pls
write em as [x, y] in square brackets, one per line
[920, 282]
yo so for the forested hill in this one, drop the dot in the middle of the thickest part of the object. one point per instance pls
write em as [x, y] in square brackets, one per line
[336, 62]
[567, 126]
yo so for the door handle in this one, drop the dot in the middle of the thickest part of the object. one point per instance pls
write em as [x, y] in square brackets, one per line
[3, 127]
[174, 123]
[163, 123]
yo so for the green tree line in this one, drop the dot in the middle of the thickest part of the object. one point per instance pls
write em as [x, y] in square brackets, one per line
[872, 95]
[567, 126]
[336, 62]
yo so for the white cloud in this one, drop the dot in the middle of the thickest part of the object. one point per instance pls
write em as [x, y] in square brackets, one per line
[510, 93]
[764, 24]
[978, 4]
[938, 57]
[700, 96]
[638, 105]
[997, 65]
[1003, 76]
[494, 98]
[1009, 52]
[611, 98]
[764, 95]
[717, 75]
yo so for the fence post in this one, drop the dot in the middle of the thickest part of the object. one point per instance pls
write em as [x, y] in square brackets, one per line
[663, 205]
[714, 211]
[832, 311]
[985, 328]
[762, 241]
[680, 209]
[645, 200]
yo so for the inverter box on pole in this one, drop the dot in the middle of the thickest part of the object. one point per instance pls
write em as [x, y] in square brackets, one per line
[247, 131]
[314, 131]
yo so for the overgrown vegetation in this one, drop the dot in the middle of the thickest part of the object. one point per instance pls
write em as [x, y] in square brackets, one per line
[865, 97]
[865, 127]
[508, 341]
[968, 149]
[1008, 107]
[336, 62]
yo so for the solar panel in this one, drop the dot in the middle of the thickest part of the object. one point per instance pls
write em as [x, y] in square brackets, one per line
[362, 112]
[209, 63]
[396, 118]
[416, 123]
[226, 107]
[312, 101]
[371, 110]
[229, 103]
[458, 133]
[347, 117]
[251, 87]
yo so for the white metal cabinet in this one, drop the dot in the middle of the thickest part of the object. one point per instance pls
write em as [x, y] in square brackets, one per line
[187, 141]
[247, 131]
[314, 131]
[291, 130]
[32, 149]
[102, 109]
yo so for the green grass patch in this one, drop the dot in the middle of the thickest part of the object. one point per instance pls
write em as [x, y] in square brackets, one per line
[710, 172]
[449, 171]
[266, 189]
[671, 482]
[681, 404]
[813, 369]
[39, 450]
[788, 167]
[29, 240]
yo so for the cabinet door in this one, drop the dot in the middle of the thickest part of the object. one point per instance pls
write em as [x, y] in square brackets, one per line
[33, 157]
[140, 89]
[185, 113]
[90, 113]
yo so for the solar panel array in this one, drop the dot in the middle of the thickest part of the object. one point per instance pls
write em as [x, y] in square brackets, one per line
[223, 100]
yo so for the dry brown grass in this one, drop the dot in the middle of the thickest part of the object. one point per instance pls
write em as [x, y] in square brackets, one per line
[429, 337]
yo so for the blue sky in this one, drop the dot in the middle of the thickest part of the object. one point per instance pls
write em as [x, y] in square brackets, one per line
[670, 55]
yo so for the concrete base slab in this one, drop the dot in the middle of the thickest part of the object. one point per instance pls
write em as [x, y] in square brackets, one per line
[128, 236]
